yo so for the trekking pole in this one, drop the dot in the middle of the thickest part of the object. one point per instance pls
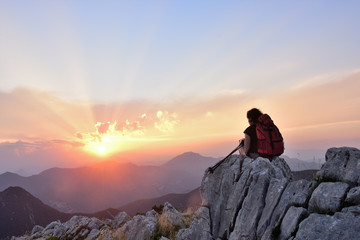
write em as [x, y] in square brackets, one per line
[212, 169]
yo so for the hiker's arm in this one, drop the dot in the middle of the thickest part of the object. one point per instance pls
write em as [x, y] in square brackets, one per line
[244, 150]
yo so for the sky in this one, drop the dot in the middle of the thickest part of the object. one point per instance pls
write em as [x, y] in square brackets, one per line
[144, 81]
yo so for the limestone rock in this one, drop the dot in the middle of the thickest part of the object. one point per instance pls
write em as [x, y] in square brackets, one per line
[252, 207]
[199, 229]
[36, 229]
[296, 193]
[139, 227]
[171, 217]
[353, 196]
[342, 165]
[328, 197]
[235, 195]
[275, 190]
[340, 226]
[120, 219]
[94, 233]
[54, 229]
[291, 221]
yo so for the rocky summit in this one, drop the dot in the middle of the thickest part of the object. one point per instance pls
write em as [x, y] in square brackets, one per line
[246, 199]
[257, 199]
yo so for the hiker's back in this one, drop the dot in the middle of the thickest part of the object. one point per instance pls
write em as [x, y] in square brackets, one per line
[270, 142]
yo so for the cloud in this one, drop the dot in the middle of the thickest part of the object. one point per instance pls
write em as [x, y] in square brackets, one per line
[166, 122]
[103, 127]
[113, 130]
[40, 155]
[134, 127]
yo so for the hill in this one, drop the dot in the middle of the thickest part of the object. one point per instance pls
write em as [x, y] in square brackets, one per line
[20, 212]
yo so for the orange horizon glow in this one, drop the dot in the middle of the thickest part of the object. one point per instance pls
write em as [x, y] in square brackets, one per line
[210, 126]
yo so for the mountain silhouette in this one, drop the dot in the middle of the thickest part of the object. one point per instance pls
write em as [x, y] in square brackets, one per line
[20, 212]
[111, 184]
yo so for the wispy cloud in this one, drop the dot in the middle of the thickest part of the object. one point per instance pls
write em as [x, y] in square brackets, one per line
[166, 121]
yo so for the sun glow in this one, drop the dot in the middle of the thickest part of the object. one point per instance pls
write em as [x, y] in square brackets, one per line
[101, 150]
[109, 138]
[104, 146]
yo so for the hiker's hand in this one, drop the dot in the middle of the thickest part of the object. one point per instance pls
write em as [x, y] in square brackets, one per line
[241, 146]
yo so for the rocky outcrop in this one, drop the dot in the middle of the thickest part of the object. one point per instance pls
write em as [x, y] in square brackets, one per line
[248, 199]
[121, 226]
[257, 199]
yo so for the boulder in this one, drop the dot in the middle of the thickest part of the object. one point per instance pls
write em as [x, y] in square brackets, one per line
[353, 196]
[340, 226]
[252, 206]
[236, 195]
[291, 221]
[94, 233]
[355, 210]
[171, 217]
[36, 229]
[54, 229]
[295, 194]
[276, 188]
[120, 219]
[328, 197]
[200, 227]
[342, 165]
[139, 227]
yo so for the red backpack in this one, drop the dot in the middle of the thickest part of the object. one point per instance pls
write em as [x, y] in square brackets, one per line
[270, 142]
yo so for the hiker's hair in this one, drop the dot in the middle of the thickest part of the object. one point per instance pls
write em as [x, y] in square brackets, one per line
[253, 115]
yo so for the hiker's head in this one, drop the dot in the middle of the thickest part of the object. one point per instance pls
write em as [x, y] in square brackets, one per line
[253, 115]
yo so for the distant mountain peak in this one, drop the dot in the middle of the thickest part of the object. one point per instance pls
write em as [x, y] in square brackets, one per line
[18, 194]
[20, 211]
[185, 157]
[189, 154]
[7, 174]
[190, 161]
[14, 189]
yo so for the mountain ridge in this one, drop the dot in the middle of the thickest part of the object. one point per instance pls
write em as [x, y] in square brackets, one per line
[114, 180]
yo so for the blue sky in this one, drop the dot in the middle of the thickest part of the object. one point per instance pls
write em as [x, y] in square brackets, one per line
[117, 50]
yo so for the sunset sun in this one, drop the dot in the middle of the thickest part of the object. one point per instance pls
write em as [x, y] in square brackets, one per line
[101, 149]
[104, 146]
[98, 148]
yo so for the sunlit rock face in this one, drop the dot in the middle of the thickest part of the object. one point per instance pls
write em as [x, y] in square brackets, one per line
[248, 199]
[257, 199]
